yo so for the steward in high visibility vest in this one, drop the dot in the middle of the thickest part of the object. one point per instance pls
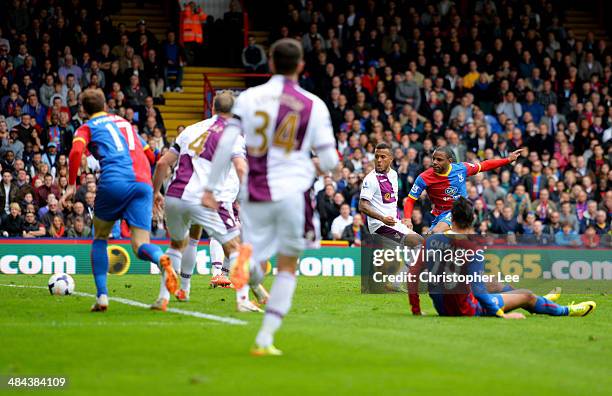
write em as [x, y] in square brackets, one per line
[192, 18]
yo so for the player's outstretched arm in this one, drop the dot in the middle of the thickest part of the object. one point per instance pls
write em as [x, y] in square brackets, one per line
[366, 207]
[498, 163]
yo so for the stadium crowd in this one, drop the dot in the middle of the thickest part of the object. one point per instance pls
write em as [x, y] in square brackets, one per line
[49, 53]
[484, 81]
[500, 76]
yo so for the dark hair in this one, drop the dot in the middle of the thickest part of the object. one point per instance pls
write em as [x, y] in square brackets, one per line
[463, 213]
[446, 150]
[286, 55]
[93, 101]
[383, 146]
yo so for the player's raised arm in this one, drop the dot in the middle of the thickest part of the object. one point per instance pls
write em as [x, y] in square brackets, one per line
[491, 164]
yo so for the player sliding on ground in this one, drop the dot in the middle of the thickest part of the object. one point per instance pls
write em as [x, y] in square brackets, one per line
[445, 182]
[473, 299]
[282, 124]
[194, 150]
[124, 189]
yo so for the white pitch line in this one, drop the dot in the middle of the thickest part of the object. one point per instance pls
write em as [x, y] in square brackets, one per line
[195, 314]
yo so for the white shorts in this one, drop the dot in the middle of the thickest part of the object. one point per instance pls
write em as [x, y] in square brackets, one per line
[219, 224]
[278, 227]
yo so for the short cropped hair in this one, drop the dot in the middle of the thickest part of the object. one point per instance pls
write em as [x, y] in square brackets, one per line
[93, 101]
[224, 101]
[286, 55]
[383, 146]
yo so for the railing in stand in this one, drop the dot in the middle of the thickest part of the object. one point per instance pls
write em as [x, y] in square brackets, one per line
[209, 90]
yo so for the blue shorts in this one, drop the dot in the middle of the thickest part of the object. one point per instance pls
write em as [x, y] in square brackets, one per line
[480, 311]
[130, 201]
[444, 217]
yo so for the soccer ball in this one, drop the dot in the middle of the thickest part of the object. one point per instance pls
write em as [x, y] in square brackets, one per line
[61, 285]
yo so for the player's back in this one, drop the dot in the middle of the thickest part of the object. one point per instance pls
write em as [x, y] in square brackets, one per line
[196, 146]
[282, 123]
[120, 151]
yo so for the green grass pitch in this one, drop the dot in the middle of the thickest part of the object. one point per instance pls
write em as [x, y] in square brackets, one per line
[335, 340]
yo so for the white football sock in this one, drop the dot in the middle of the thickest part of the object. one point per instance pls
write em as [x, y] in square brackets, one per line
[175, 258]
[188, 263]
[216, 256]
[256, 275]
[243, 294]
[226, 267]
[278, 305]
[217, 269]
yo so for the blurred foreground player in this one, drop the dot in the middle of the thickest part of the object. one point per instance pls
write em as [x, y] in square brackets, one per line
[282, 124]
[473, 299]
[124, 189]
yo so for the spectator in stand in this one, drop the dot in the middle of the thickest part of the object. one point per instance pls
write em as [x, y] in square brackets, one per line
[154, 74]
[505, 223]
[57, 228]
[12, 225]
[590, 239]
[31, 227]
[567, 236]
[254, 57]
[8, 193]
[407, 91]
[69, 68]
[602, 224]
[342, 221]
[79, 229]
[355, 232]
[174, 61]
[135, 93]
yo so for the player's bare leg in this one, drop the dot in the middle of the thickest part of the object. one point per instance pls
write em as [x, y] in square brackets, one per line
[526, 299]
[150, 252]
[188, 262]
[279, 303]
[99, 262]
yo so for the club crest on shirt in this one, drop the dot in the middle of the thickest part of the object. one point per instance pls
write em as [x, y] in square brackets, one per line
[460, 178]
[451, 191]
